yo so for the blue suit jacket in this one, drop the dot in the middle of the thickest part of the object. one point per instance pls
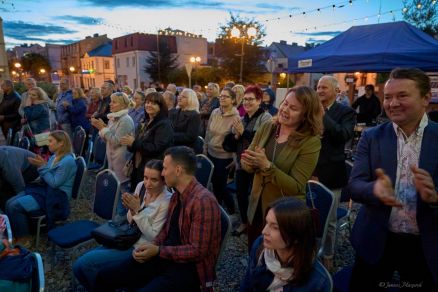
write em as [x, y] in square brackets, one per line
[377, 148]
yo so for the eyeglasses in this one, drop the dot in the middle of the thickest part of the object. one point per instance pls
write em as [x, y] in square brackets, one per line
[249, 100]
[224, 96]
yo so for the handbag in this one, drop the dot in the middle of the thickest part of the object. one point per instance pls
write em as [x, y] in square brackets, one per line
[128, 168]
[119, 236]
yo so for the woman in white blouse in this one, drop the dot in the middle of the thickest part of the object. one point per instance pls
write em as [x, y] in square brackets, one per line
[149, 215]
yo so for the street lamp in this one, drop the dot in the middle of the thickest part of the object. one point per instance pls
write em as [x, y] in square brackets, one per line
[42, 70]
[195, 60]
[249, 33]
[19, 70]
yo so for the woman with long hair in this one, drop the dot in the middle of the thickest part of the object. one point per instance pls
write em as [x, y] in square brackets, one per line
[283, 154]
[52, 195]
[284, 257]
[36, 111]
[137, 112]
[78, 110]
[152, 137]
[147, 208]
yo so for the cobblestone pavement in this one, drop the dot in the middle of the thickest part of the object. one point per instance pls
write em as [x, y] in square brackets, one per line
[231, 268]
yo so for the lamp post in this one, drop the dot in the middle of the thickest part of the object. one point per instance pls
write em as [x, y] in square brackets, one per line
[195, 60]
[249, 33]
[72, 70]
[19, 70]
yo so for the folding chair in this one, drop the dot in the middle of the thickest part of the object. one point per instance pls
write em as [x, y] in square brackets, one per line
[344, 213]
[199, 145]
[321, 198]
[78, 233]
[204, 170]
[9, 137]
[38, 281]
[16, 139]
[80, 171]
[225, 233]
[78, 143]
[24, 143]
[98, 162]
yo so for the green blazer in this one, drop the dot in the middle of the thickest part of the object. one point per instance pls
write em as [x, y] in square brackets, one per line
[290, 170]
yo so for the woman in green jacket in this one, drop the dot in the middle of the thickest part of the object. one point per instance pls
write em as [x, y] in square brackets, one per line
[283, 154]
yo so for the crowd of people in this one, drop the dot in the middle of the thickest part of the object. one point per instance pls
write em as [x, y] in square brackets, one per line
[270, 152]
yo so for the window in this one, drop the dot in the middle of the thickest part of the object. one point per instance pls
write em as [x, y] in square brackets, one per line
[126, 42]
[133, 61]
[118, 62]
[106, 65]
[127, 61]
[92, 65]
[116, 44]
[135, 83]
[132, 41]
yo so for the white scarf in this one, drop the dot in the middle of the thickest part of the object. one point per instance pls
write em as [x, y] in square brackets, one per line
[281, 275]
[112, 116]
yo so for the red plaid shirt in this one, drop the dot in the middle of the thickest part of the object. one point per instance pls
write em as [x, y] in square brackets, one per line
[200, 229]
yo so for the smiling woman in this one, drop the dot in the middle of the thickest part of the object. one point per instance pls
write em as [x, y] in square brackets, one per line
[283, 154]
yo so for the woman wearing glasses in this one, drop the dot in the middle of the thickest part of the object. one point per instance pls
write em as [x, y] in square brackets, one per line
[219, 125]
[239, 139]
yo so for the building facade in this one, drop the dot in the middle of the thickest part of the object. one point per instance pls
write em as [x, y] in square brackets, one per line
[98, 66]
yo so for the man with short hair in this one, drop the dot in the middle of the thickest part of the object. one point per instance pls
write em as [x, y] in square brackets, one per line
[339, 121]
[395, 178]
[172, 88]
[368, 106]
[104, 109]
[183, 255]
[29, 83]
[170, 100]
[62, 114]
[9, 116]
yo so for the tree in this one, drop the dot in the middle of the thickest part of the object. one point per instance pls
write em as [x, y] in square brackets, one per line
[32, 63]
[230, 49]
[422, 14]
[160, 64]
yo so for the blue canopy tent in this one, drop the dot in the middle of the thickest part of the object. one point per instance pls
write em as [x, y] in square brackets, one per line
[371, 48]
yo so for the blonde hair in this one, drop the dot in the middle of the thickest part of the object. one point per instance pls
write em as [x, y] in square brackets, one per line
[192, 100]
[96, 90]
[216, 88]
[62, 137]
[42, 95]
[78, 93]
[128, 89]
[123, 99]
[149, 90]
[240, 92]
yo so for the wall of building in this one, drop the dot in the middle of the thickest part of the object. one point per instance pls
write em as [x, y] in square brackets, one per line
[129, 67]
[102, 70]
[188, 47]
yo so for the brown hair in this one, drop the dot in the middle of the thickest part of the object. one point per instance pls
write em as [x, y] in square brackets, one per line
[80, 93]
[419, 77]
[297, 229]
[311, 122]
[157, 98]
[62, 137]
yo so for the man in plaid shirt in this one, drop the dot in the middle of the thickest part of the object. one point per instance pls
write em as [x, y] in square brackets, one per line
[183, 255]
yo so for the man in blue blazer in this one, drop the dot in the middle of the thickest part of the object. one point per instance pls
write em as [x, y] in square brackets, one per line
[395, 177]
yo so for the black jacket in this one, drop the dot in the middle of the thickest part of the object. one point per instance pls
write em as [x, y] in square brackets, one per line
[103, 110]
[9, 108]
[339, 123]
[186, 126]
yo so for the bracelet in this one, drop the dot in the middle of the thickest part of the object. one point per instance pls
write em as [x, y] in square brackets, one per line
[267, 168]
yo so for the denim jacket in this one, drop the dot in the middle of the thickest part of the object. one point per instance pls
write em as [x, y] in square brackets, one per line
[258, 277]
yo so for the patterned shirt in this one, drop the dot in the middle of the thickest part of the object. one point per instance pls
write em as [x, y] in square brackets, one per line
[200, 232]
[404, 220]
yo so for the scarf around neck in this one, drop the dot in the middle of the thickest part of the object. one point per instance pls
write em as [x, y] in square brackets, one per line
[281, 275]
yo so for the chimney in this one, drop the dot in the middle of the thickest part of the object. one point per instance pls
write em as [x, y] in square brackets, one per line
[283, 42]
[95, 35]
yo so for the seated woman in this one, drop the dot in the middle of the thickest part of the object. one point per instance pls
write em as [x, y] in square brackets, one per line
[152, 137]
[185, 119]
[78, 110]
[119, 125]
[149, 215]
[284, 257]
[36, 111]
[51, 195]
[283, 154]
[137, 112]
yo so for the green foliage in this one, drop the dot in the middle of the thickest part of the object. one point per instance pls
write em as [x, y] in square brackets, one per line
[166, 60]
[32, 63]
[425, 17]
[200, 75]
[232, 47]
[49, 88]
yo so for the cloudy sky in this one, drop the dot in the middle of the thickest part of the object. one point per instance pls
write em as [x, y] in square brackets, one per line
[64, 21]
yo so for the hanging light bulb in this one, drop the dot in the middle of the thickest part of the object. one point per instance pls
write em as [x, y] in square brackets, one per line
[419, 5]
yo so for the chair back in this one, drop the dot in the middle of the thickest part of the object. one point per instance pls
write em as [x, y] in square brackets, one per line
[345, 195]
[24, 143]
[199, 145]
[321, 198]
[80, 171]
[9, 137]
[204, 170]
[16, 139]
[225, 233]
[99, 150]
[38, 281]
[8, 227]
[106, 195]
[78, 143]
